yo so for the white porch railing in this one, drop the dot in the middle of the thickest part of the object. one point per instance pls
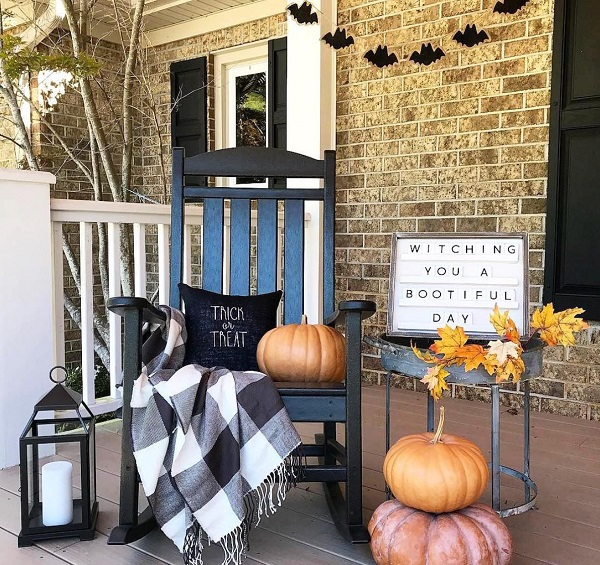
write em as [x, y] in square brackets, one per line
[140, 216]
[86, 214]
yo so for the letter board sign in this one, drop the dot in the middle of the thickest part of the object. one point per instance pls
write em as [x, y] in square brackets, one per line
[455, 280]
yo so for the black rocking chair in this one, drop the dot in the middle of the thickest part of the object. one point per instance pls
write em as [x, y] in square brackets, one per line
[329, 403]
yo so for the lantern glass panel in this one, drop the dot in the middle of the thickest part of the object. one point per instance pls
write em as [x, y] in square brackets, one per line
[93, 465]
[33, 490]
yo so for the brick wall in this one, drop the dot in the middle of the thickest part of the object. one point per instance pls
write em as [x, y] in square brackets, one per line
[459, 145]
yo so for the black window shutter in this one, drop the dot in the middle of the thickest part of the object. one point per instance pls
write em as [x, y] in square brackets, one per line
[572, 275]
[277, 98]
[188, 108]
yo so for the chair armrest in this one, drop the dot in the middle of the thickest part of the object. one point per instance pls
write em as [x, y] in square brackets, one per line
[134, 311]
[352, 313]
[121, 305]
[366, 308]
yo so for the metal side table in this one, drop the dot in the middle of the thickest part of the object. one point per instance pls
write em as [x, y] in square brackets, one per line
[398, 357]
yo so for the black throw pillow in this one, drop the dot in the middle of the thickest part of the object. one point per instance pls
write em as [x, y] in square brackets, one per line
[224, 330]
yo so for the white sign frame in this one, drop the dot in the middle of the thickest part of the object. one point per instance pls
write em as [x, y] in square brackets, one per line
[426, 289]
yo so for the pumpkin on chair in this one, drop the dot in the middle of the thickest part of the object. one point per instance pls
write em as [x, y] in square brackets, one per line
[436, 472]
[475, 535]
[303, 353]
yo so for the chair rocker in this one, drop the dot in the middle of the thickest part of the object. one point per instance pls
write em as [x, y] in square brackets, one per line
[327, 403]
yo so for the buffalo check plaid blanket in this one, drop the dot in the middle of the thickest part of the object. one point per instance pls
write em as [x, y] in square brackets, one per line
[214, 448]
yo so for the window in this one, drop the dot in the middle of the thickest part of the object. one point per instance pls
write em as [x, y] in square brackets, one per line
[241, 101]
[247, 108]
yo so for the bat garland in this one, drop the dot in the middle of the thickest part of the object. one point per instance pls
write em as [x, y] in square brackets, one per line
[509, 6]
[470, 37]
[427, 55]
[303, 14]
[380, 57]
[339, 40]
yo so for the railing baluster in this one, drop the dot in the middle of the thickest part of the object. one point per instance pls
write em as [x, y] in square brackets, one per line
[187, 254]
[87, 321]
[163, 264]
[59, 291]
[139, 258]
[114, 321]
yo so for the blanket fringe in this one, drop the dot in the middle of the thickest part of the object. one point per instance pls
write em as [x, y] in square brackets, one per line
[259, 502]
[192, 545]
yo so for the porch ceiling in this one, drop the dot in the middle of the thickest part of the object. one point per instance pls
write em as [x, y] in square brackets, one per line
[163, 13]
[161, 17]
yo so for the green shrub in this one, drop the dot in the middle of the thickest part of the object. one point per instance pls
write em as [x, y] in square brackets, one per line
[102, 378]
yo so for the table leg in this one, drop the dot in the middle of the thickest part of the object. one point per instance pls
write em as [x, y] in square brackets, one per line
[388, 378]
[430, 412]
[526, 438]
[495, 447]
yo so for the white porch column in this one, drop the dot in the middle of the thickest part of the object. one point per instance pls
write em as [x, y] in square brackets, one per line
[26, 332]
[311, 117]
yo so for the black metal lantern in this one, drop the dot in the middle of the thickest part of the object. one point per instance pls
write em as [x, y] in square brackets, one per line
[48, 509]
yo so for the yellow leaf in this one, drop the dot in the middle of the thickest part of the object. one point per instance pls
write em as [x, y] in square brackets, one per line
[504, 325]
[435, 379]
[511, 368]
[427, 357]
[568, 323]
[452, 339]
[558, 327]
[491, 363]
[545, 321]
[499, 320]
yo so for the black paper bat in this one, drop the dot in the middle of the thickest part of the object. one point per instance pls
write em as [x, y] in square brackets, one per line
[380, 57]
[338, 40]
[509, 6]
[303, 14]
[427, 55]
[470, 36]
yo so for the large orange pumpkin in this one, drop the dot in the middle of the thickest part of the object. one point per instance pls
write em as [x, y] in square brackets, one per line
[436, 472]
[303, 352]
[475, 535]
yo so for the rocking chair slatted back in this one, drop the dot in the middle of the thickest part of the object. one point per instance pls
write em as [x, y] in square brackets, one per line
[246, 162]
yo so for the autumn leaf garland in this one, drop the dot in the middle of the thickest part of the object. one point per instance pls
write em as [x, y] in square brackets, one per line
[501, 356]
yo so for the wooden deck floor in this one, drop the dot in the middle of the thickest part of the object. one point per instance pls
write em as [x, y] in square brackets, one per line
[563, 529]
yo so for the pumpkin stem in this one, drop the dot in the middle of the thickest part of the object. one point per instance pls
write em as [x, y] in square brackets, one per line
[304, 319]
[440, 428]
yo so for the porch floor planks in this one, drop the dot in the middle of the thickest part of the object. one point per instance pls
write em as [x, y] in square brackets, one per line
[564, 529]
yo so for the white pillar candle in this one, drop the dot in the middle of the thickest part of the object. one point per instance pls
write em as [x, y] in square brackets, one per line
[57, 493]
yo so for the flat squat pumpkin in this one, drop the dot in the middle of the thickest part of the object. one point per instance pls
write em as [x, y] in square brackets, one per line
[474, 535]
[436, 472]
[303, 353]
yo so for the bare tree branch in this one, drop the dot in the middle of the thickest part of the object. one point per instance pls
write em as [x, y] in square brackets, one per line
[100, 347]
[100, 322]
